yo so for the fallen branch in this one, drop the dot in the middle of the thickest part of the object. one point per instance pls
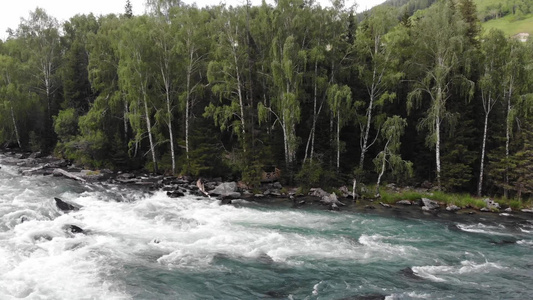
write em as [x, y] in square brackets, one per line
[58, 172]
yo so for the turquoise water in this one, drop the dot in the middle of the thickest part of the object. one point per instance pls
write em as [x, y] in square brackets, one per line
[148, 246]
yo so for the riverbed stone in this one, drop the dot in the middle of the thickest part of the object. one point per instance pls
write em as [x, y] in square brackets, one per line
[452, 207]
[65, 206]
[404, 202]
[429, 204]
[491, 204]
[224, 189]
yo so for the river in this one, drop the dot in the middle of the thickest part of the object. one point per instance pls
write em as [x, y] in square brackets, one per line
[140, 245]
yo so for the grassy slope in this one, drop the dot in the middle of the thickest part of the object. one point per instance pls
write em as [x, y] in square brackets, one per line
[507, 24]
[511, 27]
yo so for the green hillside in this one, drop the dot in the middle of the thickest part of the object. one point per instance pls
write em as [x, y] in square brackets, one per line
[510, 16]
[510, 26]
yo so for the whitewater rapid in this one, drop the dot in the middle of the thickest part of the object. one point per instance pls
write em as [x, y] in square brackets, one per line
[145, 245]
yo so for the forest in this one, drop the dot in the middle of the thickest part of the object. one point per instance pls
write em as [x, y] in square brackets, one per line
[323, 94]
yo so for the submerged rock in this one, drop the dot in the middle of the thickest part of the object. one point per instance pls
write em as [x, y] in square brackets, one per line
[73, 229]
[409, 273]
[65, 206]
[175, 194]
[527, 210]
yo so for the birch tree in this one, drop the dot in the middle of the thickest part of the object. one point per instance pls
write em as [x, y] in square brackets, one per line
[340, 102]
[439, 39]
[285, 105]
[493, 48]
[226, 76]
[391, 132]
[135, 75]
[378, 72]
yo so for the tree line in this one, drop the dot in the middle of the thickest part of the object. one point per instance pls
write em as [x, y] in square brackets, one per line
[234, 91]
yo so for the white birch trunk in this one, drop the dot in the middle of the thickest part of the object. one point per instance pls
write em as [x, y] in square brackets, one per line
[15, 127]
[383, 165]
[482, 164]
[149, 128]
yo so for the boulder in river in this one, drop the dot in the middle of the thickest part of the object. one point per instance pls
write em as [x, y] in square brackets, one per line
[175, 194]
[429, 204]
[73, 229]
[491, 204]
[65, 206]
[226, 190]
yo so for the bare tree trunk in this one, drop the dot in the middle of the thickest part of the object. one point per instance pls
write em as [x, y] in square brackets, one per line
[364, 146]
[508, 138]
[481, 167]
[149, 128]
[338, 140]
[171, 135]
[383, 164]
[15, 127]
[311, 139]
[241, 101]
[187, 106]
[437, 150]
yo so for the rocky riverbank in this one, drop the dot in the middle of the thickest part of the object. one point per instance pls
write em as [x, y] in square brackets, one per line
[273, 193]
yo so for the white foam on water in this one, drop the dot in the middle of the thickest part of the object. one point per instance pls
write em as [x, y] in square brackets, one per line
[525, 242]
[409, 295]
[439, 273]
[484, 229]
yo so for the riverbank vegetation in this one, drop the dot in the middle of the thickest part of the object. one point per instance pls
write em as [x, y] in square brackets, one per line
[327, 96]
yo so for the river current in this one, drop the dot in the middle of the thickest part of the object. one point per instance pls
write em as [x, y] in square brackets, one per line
[140, 245]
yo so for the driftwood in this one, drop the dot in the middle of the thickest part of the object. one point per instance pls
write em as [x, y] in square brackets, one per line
[68, 175]
[201, 187]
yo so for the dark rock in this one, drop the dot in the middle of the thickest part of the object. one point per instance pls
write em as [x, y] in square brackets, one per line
[503, 242]
[175, 194]
[409, 273]
[66, 207]
[125, 176]
[370, 207]
[73, 229]
[404, 202]
[225, 201]
[35, 155]
[366, 297]
[384, 205]
[426, 185]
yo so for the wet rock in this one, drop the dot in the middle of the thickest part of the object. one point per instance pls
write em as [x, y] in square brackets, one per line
[344, 192]
[334, 206]
[429, 204]
[318, 192]
[366, 297]
[73, 229]
[330, 199]
[452, 208]
[404, 202]
[409, 273]
[485, 209]
[384, 205]
[224, 189]
[65, 206]
[225, 201]
[503, 242]
[370, 207]
[175, 194]
[491, 204]
[259, 196]
[125, 176]
[508, 210]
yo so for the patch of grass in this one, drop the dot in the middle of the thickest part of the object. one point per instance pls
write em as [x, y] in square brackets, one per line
[510, 26]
